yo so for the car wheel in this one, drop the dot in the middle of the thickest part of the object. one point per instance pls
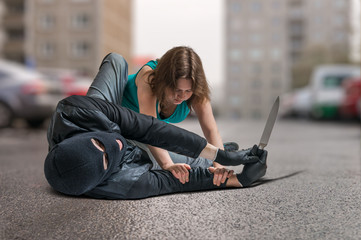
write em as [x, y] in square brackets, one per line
[35, 123]
[6, 115]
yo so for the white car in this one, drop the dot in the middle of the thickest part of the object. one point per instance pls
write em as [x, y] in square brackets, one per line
[296, 103]
[323, 96]
[25, 94]
[326, 88]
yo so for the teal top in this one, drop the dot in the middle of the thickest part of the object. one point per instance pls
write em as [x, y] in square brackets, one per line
[130, 99]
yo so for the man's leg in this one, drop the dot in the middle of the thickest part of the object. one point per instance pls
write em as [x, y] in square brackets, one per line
[111, 79]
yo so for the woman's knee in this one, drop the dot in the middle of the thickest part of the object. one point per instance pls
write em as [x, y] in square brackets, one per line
[115, 58]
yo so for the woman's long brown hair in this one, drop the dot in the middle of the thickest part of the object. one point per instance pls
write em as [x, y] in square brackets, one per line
[180, 62]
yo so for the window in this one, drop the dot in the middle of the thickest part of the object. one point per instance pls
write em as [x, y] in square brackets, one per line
[47, 49]
[236, 25]
[80, 1]
[235, 38]
[318, 20]
[276, 37]
[275, 54]
[339, 37]
[296, 28]
[317, 37]
[295, 3]
[235, 69]
[296, 13]
[235, 7]
[276, 5]
[296, 44]
[339, 21]
[256, 7]
[256, 68]
[235, 101]
[256, 54]
[235, 54]
[15, 34]
[318, 4]
[276, 68]
[47, 1]
[339, 3]
[255, 38]
[256, 83]
[235, 84]
[15, 8]
[255, 23]
[276, 22]
[333, 81]
[80, 49]
[47, 21]
[80, 21]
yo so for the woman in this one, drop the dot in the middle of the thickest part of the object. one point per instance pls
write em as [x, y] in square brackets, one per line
[167, 89]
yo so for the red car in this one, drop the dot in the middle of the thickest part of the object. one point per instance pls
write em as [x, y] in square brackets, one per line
[350, 105]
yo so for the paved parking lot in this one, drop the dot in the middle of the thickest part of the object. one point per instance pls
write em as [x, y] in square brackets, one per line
[312, 190]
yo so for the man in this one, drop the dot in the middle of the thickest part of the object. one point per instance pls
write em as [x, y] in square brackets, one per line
[89, 154]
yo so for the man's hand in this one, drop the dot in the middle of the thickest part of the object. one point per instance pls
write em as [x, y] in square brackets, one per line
[179, 171]
[220, 175]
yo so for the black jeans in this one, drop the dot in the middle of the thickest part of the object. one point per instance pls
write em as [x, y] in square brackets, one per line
[159, 182]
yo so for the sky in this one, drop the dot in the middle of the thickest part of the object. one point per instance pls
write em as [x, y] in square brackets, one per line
[160, 25]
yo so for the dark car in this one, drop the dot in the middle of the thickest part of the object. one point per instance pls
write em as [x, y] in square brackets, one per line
[350, 104]
[25, 94]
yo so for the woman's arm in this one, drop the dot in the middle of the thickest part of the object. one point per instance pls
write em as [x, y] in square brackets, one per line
[208, 124]
[147, 105]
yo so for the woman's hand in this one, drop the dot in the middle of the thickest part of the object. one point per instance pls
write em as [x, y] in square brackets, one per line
[179, 171]
[220, 175]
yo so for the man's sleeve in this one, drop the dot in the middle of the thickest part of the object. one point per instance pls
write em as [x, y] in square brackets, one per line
[92, 114]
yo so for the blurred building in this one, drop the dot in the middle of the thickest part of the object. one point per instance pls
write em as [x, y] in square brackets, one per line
[138, 62]
[2, 33]
[72, 34]
[265, 38]
[12, 30]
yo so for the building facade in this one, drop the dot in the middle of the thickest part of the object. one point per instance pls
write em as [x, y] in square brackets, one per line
[68, 34]
[265, 38]
[2, 32]
[12, 30]
[77, 34]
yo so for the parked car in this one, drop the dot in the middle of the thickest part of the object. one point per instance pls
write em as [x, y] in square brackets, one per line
[323, 96]
[68, 80]
[25, 94]
[296, 103]
[350, 104]
[326, 88]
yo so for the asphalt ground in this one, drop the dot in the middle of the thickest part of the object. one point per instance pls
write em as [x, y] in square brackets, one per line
[312, 190]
